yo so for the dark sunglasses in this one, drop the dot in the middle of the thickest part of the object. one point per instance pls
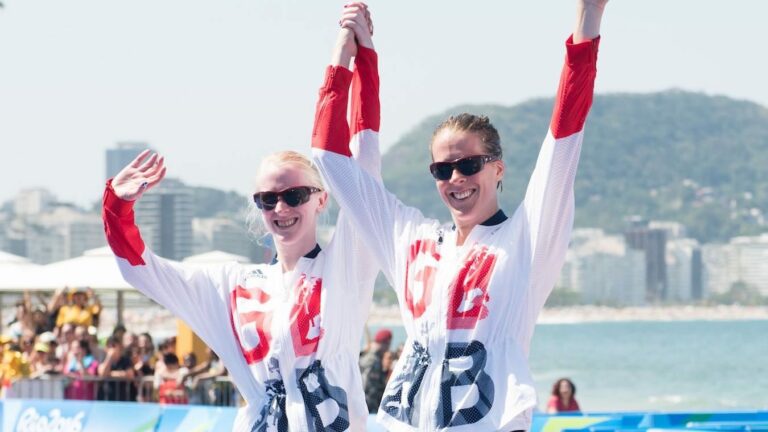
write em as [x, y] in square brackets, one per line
[294, 197]
[467, 166]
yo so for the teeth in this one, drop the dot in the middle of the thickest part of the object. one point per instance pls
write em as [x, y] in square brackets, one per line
[286, 223]
[462, 195]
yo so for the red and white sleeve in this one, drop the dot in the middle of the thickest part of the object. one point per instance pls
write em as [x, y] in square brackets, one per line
[549, 199]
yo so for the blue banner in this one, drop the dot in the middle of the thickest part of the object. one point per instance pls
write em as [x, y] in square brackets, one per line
[29, 415]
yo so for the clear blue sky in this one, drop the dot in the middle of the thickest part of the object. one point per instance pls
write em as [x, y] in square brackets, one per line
[216, 85]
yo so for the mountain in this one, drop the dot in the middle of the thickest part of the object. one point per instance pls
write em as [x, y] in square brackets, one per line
[674, 155]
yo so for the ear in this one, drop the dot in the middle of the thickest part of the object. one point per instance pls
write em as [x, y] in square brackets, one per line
[323, 201]
[500, 167]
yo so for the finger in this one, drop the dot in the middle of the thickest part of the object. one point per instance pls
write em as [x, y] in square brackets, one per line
[352, 9]
[157, 178]
[158, 165]
[351, 24]
[362, 22]
[350, 17]
[136, 162]
[149, 162]
[358, 19]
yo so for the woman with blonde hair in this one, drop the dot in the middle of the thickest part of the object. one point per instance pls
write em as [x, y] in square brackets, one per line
[288, 332]
[470, 291]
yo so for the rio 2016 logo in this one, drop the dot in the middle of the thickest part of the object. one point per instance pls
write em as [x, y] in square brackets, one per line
[32, 421]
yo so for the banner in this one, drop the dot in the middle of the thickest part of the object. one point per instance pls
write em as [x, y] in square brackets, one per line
[29, 415]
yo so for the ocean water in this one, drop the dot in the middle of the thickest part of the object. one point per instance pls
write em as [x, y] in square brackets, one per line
[664, 366]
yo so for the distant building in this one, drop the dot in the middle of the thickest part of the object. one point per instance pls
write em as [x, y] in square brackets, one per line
[30, 202]
[164, 214]
[743, 259]
[61, 233]
[122, 155]
[603, 269]
[684, 270]
[653, 242]
[220, 234]
[675, 230]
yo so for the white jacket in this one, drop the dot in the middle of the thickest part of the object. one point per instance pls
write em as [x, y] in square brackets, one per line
[290, 342]
[469, 311]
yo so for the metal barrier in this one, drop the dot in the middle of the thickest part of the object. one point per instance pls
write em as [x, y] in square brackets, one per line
[219, 391]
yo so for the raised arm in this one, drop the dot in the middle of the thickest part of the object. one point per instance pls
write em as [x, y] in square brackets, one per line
[192, 295]
[549, 199]
[355, 184]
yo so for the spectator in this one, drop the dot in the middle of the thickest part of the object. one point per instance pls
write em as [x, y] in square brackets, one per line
[66, 336]
[41, 362]
[170, 382]
[388, 364]
[26, 345]
[563, 397]
[119, 331]
[54, 306]
[23, 319]
[81, 364]
[93, 339]
[372, 369]
[129, 341]
[145, 366]
[168, 346]
[211, 391]
[79, 310]
[118, 372]
[12, 364]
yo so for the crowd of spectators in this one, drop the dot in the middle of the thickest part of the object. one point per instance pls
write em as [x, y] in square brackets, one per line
[58, 340]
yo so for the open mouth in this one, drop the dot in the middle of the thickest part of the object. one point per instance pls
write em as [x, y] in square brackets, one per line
[285, 223]
[462, 195]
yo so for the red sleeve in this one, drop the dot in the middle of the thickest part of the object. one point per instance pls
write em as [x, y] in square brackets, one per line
[122, 233]
[577, 83]
[364, 107]
[331, 131]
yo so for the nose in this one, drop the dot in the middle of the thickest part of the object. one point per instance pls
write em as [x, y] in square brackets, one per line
[457, 177]
[281, 206]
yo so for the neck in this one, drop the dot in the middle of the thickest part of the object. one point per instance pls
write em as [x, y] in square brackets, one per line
[464, 228]
[289, 255]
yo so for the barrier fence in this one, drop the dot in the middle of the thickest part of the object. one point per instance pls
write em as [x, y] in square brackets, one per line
[219, 391]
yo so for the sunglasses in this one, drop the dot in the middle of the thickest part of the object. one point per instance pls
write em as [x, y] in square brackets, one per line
[467, 166]
[294, 197]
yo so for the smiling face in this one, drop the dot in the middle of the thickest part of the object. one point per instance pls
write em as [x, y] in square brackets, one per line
[470, 199]
[290, 226]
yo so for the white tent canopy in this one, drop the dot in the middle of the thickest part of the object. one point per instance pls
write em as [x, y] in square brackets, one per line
[9, 258]
[15, 276]
[96, 269]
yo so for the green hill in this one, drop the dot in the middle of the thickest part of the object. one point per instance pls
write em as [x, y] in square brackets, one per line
[697, 159]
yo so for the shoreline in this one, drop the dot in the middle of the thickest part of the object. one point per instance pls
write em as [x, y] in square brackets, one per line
[390, 315]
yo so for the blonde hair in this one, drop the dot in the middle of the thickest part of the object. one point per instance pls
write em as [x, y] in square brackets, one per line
[289, 157]
[279, 159]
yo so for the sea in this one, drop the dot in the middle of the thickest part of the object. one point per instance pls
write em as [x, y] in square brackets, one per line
[652, 365]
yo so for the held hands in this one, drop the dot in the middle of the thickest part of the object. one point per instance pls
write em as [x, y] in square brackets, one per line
[356, 28]
[139, 176]
[357, 18]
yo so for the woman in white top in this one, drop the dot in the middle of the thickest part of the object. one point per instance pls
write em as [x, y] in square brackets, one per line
[288, 332]
[470, 291]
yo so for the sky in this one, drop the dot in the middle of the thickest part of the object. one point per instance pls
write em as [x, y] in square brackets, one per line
[215, 86]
